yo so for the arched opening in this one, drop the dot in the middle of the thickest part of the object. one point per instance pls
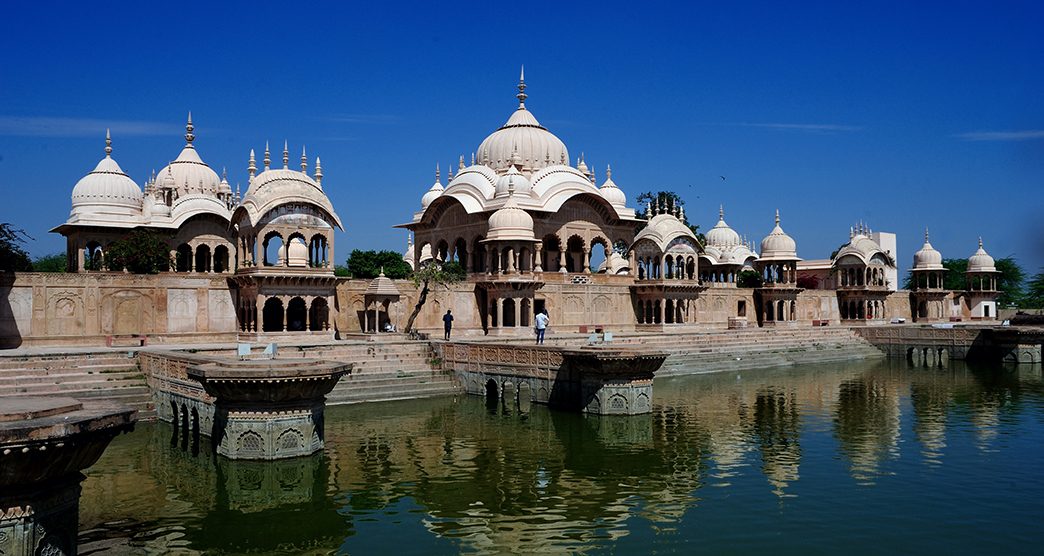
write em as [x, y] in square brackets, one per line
[319, 315]
[442, 252]
[272, 246]
[296, 252]
[221, 259]
[93, 256]
[273, 315]
[600, 255]
[550, 258]
[183, 259]
[492, 392]
[668, 311]
[524, 312]
[741, 308]
[296, 315]
[460, 252]
[508, 318]
[575, 254]
[478, 255]
[318, 253]
[203, 258]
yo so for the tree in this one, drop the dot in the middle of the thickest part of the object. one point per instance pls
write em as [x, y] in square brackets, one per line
[341, 271]
[140, 252]
[368, 264]
[55, 262]
[669, 199]
[432, 274]
[12, 256]
[748, 279]
[1034, 296]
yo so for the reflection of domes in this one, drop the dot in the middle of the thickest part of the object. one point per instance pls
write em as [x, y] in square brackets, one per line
[778, 245]
[610, 191]
[927, 258]
[190, 173]
[510, 223]
[981, 261]
[721, 234]
[522, 137]
[297, 252]
[107, 187]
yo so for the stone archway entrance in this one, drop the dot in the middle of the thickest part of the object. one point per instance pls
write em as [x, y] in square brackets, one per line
[296, 315]
[272, 317]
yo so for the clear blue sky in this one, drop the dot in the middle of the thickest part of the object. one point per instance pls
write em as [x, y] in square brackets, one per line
[903, 115]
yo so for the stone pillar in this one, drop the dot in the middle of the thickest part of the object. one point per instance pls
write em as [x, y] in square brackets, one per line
[308, 313]
[538, 257]
[286, 303]
[587, 260]
[562, 261]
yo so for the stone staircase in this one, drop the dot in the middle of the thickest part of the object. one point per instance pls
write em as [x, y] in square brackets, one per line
[383, 371]
[110, 375]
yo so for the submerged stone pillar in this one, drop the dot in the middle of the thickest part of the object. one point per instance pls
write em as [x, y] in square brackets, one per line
[271, 409]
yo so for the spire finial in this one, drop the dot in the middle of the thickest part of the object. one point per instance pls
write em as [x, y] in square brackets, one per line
[681, 216]
[436, 172]
[721, 212]
[522, 88]
[318, 171]
[189, 137]
[980, 242]
[252, 164]
[381, 275]
[461, 166]
[777, 217]
[304, 161]
[926, 234]
[608, 172]
[108, 143]
[409, 240]
[224, 173]
[472, 158]
[851, 233]
[268, 157]
[286, 154]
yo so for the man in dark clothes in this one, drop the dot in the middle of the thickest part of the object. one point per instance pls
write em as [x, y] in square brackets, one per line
[447, 319]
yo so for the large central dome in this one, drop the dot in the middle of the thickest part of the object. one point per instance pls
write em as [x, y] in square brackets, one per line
[522, 138]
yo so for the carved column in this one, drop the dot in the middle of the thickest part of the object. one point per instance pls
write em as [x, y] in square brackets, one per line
[538, 259]
[562, 261]
[587, 261]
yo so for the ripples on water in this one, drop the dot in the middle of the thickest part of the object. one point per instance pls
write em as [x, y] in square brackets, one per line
[862, 457]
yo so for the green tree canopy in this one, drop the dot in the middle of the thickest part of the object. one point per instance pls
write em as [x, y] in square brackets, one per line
[55, 262]
[12, 255]
[432, 274]
[669, 199]
[1009, 282]
[140, 252]
[748, 279]
[368, 264]
[1034, 297]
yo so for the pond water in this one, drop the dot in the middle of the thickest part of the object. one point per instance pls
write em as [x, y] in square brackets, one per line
[866, 458]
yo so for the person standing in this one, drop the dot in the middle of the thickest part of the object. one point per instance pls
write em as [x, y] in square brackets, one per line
[541, 325]
[447, 321]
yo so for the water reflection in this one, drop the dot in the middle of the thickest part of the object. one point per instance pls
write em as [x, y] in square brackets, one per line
[460, 474]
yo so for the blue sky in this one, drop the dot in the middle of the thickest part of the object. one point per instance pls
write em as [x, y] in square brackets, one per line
[902, 115]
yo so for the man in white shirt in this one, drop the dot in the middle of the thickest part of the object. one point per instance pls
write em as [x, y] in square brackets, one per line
[541, 325]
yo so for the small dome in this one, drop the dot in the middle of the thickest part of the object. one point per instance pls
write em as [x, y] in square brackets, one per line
[778, 245]
[297, 252]
[383, 286]
[513, 179]
[663, 229]
[224, 188]
[981, 261]
[510, 223]
[190, 173]
[927, 258]
[721, 234]
[610, 192]
[522, 138]
[107, 186]
[433, 193]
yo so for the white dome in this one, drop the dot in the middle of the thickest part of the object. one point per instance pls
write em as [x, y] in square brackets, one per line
[434, 193]
[721, 234]
[663, 229]
[107, 188]
[981, 261]
[778, 245]
[512, 179]
[283, 186]
[927, 258]
[510, 223]
[610, 192]
[297, 252]
[190, 173]
[522, 137]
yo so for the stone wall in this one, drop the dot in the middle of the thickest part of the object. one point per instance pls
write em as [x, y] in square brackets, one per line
[82, 309]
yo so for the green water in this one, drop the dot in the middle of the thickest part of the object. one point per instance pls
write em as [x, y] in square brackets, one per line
[861, 458]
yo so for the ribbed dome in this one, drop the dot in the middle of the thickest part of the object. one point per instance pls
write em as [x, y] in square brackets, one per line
[513, 179]
[927, 258]
[297, 253]
[663, 229]
[981, 261]
[721, 234]
[191, 174]
[610, 192]
[510, 223]
[107, 188]
[778, 245]
[524, 138]
[434, 193]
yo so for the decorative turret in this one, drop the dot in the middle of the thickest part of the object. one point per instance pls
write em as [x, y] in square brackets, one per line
[318, 172]
[252, 165]
[268, 157]
[304, 161]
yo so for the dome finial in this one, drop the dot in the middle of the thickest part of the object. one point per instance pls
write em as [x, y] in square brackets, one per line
[608, 172]
[926, 234]
[777, 217]
[381, 275]
[460, 166]
[472, 158]
[436, 172]
[522, 89]
[108, 143]
[189, 137]
[721, 212]
[252, 164]
[268, 157]
[286, 154]
[304, 161]
[980, 242]
[318, 172]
